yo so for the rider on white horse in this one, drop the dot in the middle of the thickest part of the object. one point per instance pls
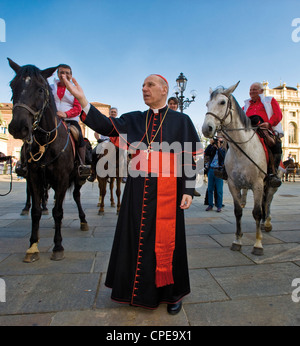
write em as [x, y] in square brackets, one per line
[266, 113]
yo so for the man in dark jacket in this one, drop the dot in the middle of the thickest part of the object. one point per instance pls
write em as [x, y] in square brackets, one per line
[216, 154]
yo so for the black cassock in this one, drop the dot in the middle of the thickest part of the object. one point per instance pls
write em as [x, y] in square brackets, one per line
[132, 267]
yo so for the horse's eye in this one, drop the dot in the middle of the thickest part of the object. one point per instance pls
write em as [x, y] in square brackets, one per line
[41, 90]
[222, 102]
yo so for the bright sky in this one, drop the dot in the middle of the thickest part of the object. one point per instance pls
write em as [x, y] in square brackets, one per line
[112, 45]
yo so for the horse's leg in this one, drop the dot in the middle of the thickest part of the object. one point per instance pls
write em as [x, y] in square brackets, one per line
[257, 214]
[268, 197]
[25, 210]
[102, 187]
[238, 212]
[244, 198]
[76, 195]
[111, 186]
[44, 202]
[32, 254]
[57, 213]
[118, 193]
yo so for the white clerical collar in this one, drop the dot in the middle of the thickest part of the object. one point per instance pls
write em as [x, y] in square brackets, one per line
[156, 111]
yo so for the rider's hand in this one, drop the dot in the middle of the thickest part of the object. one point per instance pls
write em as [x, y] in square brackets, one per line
[61, 114]
[265, 125]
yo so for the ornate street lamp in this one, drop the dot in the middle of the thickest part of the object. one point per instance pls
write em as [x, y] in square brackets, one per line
[179, 89]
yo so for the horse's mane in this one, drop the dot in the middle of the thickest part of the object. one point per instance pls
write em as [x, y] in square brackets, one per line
[243, 117]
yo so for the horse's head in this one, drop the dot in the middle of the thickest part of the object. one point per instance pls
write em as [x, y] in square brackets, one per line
[30, 96]
[218, 109]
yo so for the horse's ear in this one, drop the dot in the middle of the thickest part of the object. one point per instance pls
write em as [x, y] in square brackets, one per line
[14, 65]
[48, 72]
[210, 91]
[230, 90]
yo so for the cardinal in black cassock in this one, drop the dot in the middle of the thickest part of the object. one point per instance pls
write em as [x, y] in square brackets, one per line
[148, 263]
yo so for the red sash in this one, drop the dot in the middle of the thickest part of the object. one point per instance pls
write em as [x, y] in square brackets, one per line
[164, 165]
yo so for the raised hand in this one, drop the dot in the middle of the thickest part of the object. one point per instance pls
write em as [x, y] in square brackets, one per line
[76, 90]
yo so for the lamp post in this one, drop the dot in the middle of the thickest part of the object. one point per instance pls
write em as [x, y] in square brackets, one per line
[179, 89]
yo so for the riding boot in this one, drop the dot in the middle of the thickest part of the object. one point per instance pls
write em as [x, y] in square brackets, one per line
[93, 175]
[83, 170]
[272, 179]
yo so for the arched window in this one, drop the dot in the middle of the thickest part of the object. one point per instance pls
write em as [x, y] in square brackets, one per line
[292, 133]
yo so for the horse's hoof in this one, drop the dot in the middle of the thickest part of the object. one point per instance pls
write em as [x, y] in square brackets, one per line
[268, 228]
[31, 257]
[45, 212]
[236, 247]
[24, 212]
[257, 251]
[57, 255]
[84, 226]
[113, 205]
[100, 212]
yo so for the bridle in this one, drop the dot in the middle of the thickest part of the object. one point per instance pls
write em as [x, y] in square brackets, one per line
[223, 128]
[227, 113]
[37, 116]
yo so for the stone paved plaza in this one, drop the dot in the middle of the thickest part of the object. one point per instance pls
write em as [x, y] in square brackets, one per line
[228, 288]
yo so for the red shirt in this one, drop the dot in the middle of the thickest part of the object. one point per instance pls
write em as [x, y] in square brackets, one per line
[257, 108]
[76, 108]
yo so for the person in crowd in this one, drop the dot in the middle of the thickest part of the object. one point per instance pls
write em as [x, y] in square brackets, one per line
[216, 154]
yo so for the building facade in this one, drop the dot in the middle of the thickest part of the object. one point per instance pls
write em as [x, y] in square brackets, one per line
[12, 147]
[289, 102]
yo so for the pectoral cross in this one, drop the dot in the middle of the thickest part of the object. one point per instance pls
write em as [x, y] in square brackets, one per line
[148, 151]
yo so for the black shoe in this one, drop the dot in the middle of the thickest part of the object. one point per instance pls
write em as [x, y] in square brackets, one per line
[173, 309]
[273, 181]
[196, 193]
[91, 178]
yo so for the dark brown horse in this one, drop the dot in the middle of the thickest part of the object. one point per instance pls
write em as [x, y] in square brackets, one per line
[291, 169]
[49, 155]
[110, 166]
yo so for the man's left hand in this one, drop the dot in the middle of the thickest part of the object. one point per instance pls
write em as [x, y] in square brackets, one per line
[61, 114]
[186, 201]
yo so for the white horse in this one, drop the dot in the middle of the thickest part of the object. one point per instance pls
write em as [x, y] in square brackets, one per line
[245, 161]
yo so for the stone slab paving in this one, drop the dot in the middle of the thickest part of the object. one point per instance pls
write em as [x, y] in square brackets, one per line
[228, 288]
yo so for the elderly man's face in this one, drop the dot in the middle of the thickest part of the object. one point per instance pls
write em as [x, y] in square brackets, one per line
[254, 92]
[113, 113]
[155, 92]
